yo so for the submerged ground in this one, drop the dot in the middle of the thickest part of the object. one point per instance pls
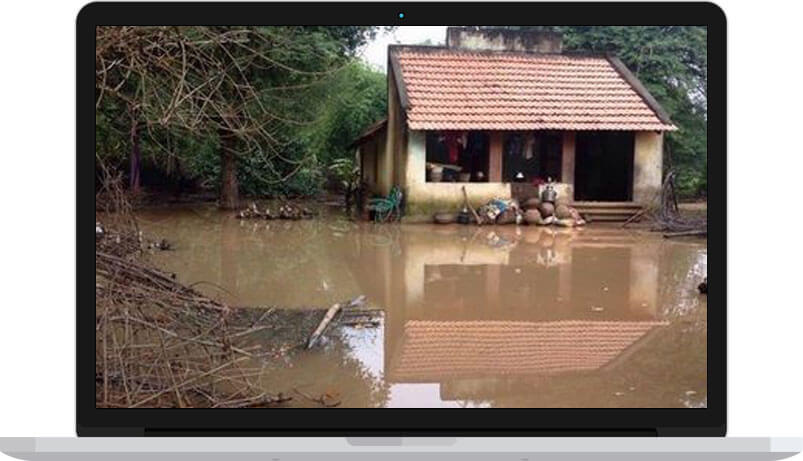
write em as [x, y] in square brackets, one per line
[494, 316]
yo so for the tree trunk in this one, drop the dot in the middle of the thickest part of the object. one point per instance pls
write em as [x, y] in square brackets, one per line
[134, 167]
[229, 194]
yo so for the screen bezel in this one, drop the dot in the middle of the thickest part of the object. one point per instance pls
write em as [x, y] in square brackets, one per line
[710, 421]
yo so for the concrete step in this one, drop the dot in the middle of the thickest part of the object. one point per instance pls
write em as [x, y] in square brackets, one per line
[607, 218]
[607, 211]
[605, 205]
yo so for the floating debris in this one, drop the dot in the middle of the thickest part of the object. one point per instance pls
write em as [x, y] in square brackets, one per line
[286, 211]
[163, 245]
[703, 286]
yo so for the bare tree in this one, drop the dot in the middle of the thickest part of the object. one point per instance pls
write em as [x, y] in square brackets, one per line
[227, 83]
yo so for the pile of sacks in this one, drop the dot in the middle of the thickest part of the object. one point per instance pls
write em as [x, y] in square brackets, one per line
[509, 211]
[533, 211]
[541, 213]
[501, 211]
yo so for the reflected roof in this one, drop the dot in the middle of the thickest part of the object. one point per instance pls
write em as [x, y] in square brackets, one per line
[433, 350]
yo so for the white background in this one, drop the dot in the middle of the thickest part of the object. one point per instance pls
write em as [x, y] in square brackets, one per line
[37, 234]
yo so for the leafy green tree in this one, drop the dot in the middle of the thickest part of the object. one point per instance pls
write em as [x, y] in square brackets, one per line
[356, 97]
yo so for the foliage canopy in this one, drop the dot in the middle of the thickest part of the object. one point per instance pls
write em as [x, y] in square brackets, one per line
[275, 98]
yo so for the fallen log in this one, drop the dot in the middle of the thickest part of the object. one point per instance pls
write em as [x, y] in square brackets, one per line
[689, 233]
[330, 314]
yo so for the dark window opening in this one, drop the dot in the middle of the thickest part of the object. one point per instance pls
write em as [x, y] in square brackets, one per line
[457, 156]
[535, 155]
[604, 166]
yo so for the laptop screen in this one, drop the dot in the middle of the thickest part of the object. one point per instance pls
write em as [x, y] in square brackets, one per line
[401, 216]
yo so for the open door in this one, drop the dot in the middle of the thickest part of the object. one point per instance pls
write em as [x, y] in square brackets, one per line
[604, 166]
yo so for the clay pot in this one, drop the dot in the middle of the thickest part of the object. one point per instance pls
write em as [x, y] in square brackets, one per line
[463, 217]
[532, 203]
[445, 218]
[464, 177]
[533, 217]
[436, 174]
[563, 212]
[547, 209]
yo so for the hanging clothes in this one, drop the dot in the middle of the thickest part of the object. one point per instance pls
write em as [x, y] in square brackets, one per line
[529, 147]
[454, 144]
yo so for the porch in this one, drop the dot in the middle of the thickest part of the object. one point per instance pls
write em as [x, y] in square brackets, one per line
[609, 175]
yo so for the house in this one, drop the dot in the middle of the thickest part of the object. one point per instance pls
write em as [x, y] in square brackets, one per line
[501, 112]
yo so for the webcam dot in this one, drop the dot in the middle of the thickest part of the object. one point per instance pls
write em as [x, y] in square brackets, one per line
[401, 15]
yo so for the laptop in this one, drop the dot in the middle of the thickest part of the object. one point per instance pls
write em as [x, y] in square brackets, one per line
[387, 231]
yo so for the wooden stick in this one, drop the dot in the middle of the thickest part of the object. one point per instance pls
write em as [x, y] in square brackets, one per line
[468, 205]
[635, 216]
[327, 318]
[691, 233]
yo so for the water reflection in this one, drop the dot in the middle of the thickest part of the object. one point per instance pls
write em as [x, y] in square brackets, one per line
[494, 316]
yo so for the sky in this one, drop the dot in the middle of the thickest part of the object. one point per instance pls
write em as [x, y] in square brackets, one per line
[375, 52]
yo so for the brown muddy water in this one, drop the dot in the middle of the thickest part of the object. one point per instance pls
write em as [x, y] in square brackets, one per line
[494, 316]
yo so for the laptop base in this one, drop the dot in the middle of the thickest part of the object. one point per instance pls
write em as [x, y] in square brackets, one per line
[339, 448]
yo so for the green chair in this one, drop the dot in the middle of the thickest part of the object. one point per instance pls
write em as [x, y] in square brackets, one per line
[387, 208]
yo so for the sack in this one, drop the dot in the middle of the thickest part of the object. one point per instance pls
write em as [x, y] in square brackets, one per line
[507, 217]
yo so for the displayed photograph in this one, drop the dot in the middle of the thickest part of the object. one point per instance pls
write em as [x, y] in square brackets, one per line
[401, 216]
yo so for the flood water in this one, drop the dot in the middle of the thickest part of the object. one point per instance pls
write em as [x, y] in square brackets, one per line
[493, 316]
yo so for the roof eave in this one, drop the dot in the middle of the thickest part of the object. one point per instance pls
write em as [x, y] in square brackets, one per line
[394, 67]
[642, 91]
[370, 132]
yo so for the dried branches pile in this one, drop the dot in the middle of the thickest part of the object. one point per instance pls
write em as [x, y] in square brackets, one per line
[668, 218]
[665, 216]
[160, 343]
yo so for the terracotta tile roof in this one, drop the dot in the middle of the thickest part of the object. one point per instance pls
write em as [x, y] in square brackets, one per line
[434, 350]
[461, 89]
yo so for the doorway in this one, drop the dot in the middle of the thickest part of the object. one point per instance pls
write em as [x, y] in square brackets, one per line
[604, 166]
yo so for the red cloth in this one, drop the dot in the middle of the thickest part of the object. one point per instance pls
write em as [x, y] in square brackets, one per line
[452, 140]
